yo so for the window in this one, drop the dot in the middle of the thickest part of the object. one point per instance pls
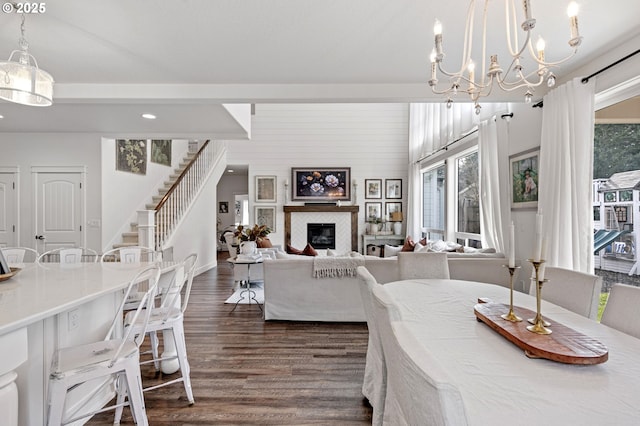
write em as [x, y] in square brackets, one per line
[451, 198]
[433, 202]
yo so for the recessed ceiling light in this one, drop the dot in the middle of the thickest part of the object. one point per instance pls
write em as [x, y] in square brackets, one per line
[1, 117]
[149, 116]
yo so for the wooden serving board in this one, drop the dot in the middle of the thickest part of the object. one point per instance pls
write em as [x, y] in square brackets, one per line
[562, 345]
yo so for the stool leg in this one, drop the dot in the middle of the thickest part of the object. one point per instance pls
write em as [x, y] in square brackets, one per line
[185, 369]
[57, 396]
[134, 387]
[121, 391]
[153, 338]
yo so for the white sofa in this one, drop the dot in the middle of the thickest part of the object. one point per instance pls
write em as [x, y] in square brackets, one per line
[291, 292]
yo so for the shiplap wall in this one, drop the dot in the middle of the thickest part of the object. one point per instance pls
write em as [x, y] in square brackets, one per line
[372, 139]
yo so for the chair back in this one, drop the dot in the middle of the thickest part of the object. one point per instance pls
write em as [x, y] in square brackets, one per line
[189, 270]
[622, 310]
[131, 254]
[418, 265]
[69, 256]
[183, 274]
[576, 291]
[18, 254]
[229, 239]
[150, 274]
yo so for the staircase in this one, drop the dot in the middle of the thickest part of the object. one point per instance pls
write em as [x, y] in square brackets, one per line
[177, 194]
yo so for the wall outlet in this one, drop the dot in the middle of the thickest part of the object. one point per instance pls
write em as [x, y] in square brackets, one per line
[94, 223]
[73, 319]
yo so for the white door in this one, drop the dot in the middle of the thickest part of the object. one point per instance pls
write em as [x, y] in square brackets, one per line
[59, 210]
[8, 206]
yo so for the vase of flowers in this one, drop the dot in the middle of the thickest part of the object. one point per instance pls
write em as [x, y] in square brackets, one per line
[258, 235]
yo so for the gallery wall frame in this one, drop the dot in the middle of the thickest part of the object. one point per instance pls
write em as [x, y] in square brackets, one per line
[392, 207]
[393, 189]
[266, 215]
[373, 210]
[131, 156]
[373, 189]
[523, 169]
[161, 151]
[321, 184]
[266, 189]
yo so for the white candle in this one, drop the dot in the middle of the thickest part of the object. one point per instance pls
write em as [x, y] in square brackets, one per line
[538, 243]
[512, 248]
[541, 271]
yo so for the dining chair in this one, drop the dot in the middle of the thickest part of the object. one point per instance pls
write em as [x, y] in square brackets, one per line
[14, 255]
[114, 357]
[131, 254]
[417, 391]
[576, 291]
[169, 317]
[374, 385]
[68, 255]
[413, 265]
[622, 310]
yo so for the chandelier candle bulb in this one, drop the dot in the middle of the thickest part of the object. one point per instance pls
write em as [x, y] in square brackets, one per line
[472, 74]
[527, 9]
[572, 11]
[437, 31]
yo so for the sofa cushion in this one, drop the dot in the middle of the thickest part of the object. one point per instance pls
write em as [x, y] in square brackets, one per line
[391, 250]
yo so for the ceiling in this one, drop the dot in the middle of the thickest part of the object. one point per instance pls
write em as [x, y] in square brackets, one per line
[182, 59]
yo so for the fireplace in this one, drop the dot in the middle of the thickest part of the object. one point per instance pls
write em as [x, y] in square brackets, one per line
[321, 235]
[345, 219]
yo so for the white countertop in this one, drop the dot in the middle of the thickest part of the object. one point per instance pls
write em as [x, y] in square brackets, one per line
[39, 291]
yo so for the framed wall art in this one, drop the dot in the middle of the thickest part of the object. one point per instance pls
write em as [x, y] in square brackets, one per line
[266, 189]
[321, 184]
[223, 207]
[266, 215]
[393, 188]
[161, 151]
[392, 207]
[372, 211]
[524, 168]
[373, 188]
[131, 156]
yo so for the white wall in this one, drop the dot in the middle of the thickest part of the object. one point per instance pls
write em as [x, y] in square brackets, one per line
[54, 149]
[125, 193]
[372, 139]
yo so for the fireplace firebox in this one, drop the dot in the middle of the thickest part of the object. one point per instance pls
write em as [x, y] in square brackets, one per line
[321, 235]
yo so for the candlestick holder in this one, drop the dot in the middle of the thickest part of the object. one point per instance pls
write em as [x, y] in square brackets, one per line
[511, 316]
[538, 324]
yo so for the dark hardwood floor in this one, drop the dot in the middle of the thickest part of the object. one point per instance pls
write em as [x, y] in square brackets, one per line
[246, 371]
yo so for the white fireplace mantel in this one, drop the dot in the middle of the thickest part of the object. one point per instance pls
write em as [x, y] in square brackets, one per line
[323, 209]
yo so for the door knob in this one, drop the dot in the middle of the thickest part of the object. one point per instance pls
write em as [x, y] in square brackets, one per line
[40, 237]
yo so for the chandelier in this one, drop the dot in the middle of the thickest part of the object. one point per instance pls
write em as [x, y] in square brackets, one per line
[515, 76]
[21, 81]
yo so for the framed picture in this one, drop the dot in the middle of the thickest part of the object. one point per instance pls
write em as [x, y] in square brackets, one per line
[266, 189]
[372, 211]
[321, 184]
[131, 156]
[372, 188]
[161, 151]
[392, 207]
[223, 207]
[266, 215]
[524, 169]
[393, 188]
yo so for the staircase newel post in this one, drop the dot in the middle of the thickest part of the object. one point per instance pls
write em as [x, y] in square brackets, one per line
[146, 228]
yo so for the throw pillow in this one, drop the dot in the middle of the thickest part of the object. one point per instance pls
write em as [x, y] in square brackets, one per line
[418, 247]
[408, 244]
[282, 255]
[264, 243]
[293, 250]
[439, 246]
[390, 251]
[309, 250]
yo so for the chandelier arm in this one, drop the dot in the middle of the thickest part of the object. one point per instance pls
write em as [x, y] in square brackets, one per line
[511, 11]
[511, 86]
[468, 36]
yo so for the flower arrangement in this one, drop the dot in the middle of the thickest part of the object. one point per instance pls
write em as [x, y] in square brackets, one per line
[256, 233]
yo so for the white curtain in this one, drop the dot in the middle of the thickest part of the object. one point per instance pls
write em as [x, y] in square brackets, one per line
[566, 171]
[493, 206]
[431, 126]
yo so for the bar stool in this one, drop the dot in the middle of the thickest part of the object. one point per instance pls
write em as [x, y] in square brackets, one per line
[115, 357]
[168, 317]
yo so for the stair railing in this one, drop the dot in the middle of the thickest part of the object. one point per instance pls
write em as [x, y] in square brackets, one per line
[178, 198]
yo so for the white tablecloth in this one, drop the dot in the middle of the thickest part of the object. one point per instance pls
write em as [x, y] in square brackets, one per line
[498, 384]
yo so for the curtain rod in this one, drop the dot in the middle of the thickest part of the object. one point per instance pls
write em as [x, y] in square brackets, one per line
[586, 79]
[446, 147]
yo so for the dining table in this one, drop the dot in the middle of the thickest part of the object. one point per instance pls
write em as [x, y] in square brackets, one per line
[498, 384]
